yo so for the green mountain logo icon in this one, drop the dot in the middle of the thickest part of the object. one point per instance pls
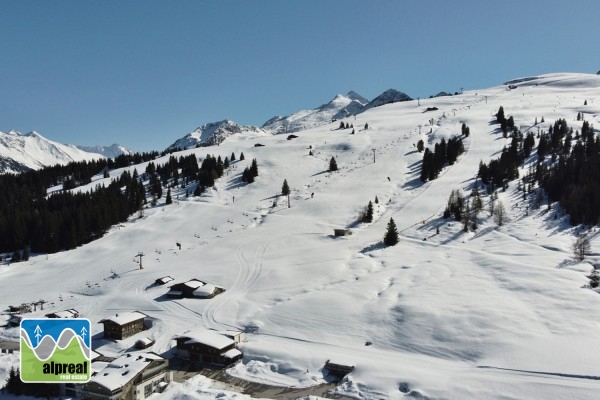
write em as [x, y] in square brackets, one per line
[63, 355]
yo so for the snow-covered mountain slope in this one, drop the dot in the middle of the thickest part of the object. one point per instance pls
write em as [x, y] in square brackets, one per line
[111, 151]
[341, 106]
[215, 133]
[498, 313]
[20, 152]
[387, 97]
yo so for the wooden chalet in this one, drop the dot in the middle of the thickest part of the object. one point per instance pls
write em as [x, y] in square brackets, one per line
[207, 346]
[123, 325]
[164, 280]
[342, 232]
[70, 313]
[194, 288]
[338, 369]
[143, 343]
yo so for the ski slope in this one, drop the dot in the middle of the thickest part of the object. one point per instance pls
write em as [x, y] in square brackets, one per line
[499, 313]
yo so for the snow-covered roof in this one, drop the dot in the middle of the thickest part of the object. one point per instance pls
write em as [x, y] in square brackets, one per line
[194, 283]
[344, 362]
[125, 318]
[118, 372]
[162, 385]
[209, 338]
[145, 341]
[70, 313]
[165, 279]
[205, 290]
[98, 366]
[231, 333]
[233, 353]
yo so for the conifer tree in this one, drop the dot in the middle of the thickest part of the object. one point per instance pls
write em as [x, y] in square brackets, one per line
[285, 189]
[500, 115]
[232, 156]
[376, 200]
[13, 382]
[242, 158]
[581, 247]
[477, 203]
[391, 236]
[247, 176]
[466, 217]
[254, 168]
[594, 279]
[332, 165]
[169, 200]
[366, 215]
[500, 216]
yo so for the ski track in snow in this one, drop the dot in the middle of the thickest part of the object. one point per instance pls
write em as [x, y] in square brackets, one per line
[248, 272]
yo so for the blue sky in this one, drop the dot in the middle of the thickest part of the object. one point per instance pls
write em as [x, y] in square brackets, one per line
[145, 73]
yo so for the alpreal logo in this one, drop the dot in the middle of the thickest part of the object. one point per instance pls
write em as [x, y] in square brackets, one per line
[55, 350]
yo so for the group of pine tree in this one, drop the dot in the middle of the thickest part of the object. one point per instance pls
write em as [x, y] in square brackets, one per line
[31, 220]
[567, 170]
[390, 238]
[443, 153]
[566, 167]
[15, 386]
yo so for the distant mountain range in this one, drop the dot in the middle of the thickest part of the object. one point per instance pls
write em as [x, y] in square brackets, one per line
[214, 133]
[338, 108]
[341, 106]
[20, 152]
[111, 151]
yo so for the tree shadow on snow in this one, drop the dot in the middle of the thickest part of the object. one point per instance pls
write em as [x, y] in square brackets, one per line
[320, 173]
[413, 184]
[236, 184]
[373, 247]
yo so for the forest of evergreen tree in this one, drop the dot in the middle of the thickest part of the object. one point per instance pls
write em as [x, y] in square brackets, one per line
[33, 221]
[567, 170]
[567, 167]
[443, 153]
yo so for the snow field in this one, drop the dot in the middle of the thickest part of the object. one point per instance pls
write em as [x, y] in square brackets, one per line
[497, 313]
